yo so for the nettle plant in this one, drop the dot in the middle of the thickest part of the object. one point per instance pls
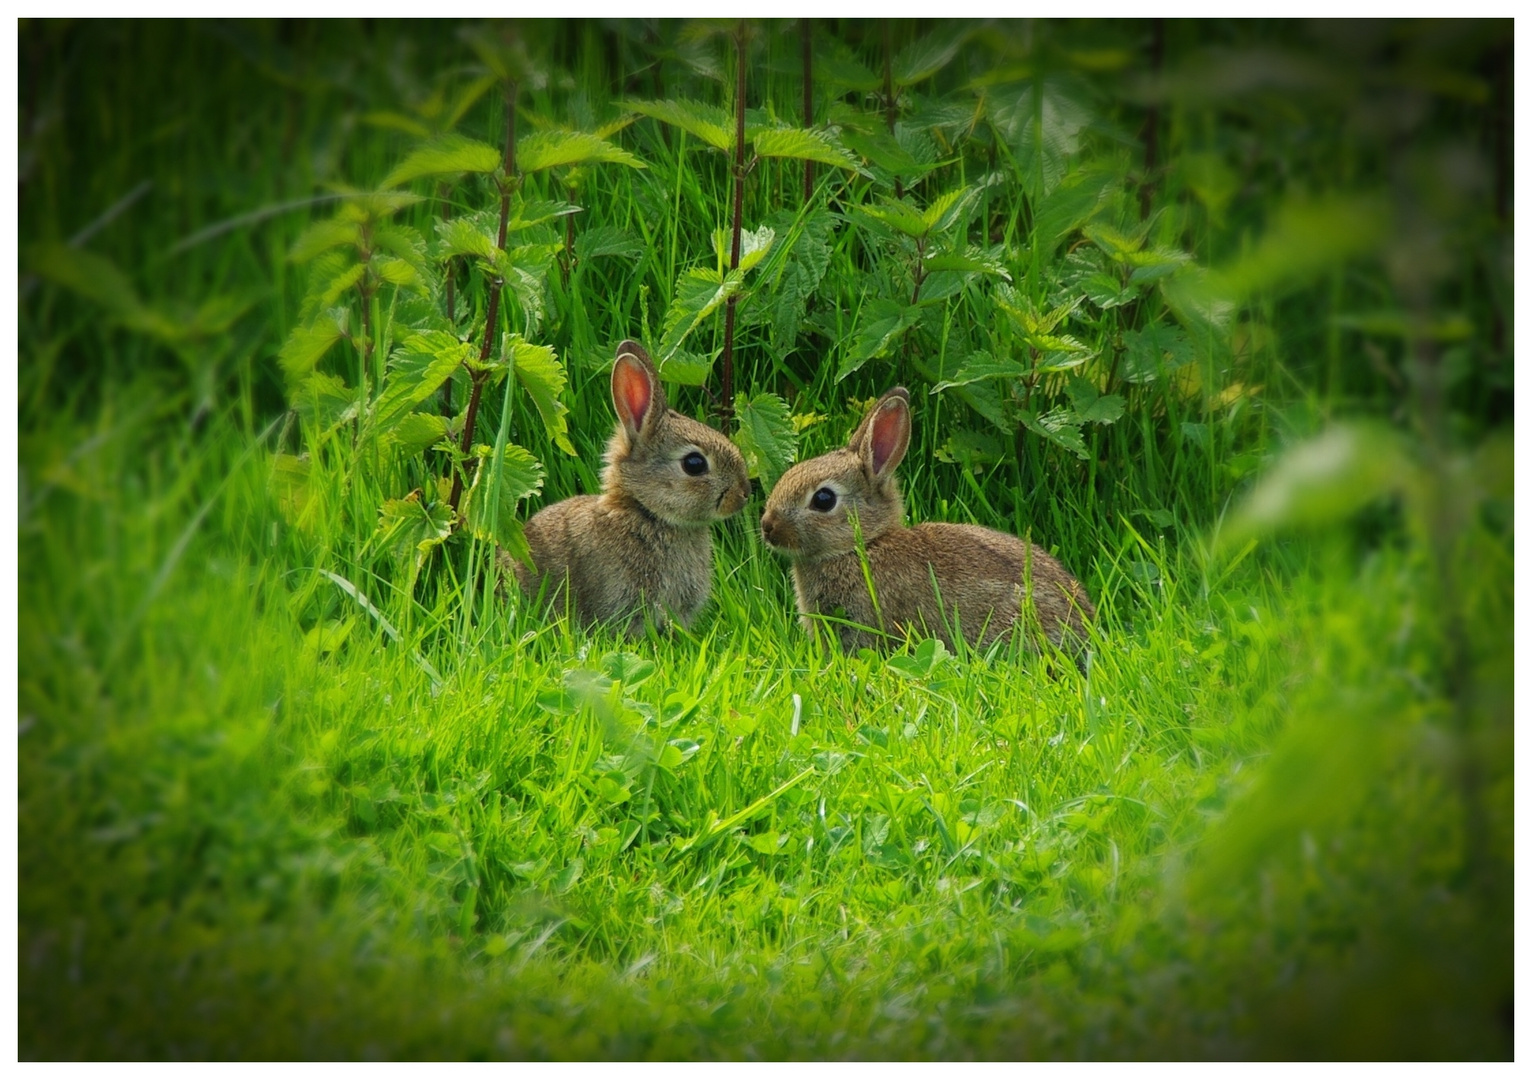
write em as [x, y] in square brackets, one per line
[380, 286]
[1033, 293]
[792, 269]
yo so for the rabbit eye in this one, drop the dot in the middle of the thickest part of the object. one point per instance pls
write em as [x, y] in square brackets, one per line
[823, 500]
[694, 464]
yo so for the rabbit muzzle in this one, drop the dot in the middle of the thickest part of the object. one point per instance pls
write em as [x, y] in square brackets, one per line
[775, 531]
[732, 499]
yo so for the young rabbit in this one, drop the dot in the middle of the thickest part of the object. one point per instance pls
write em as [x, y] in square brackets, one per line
[930, 578]
[643, 544]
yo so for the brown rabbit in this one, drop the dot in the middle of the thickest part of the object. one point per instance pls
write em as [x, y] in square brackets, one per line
[981, 577]
[642, 545]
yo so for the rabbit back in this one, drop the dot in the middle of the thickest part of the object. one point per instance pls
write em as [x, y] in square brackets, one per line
[938, 578]
[604, 558]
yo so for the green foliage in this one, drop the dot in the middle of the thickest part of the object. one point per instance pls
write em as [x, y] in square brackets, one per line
[539, 372]
[555, 149]
[706, 122]
[446, 155]
[500, 483]
[765, 436]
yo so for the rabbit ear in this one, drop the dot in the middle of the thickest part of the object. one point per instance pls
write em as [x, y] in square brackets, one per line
[855, 442]
[886, 433]
[636, 392]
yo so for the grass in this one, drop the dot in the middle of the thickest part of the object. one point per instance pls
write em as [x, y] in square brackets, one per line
[259, 818]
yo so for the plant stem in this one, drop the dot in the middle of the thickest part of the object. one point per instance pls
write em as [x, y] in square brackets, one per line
[808, 102]
[726, 406]
[890, 110]
[492, 315]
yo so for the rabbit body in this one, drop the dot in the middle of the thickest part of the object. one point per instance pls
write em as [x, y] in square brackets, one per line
[934, 578]
[643, 546]
[978, 590]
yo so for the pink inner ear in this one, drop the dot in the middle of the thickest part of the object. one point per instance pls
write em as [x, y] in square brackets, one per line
[890, 430]
[632, 391]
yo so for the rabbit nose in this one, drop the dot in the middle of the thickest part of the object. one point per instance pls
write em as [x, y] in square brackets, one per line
[769, 527]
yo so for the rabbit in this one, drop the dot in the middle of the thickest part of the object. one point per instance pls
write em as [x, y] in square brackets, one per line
[643, 545]
[982, 578]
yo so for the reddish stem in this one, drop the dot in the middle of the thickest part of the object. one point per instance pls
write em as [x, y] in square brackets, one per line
[808, 102]
[492, 316]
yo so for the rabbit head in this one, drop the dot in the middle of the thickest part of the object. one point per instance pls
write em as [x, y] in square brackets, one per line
[682, 472]
[815, 510]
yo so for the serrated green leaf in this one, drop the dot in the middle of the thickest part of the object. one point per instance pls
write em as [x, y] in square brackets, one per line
[698, 294]
[753, 246]
[707, 122]
[417, 431]
[324, 402]
[970, 449]
[928, 54]
[1043, 130]
[882, 323]
[408, 528]
[397, 272]
[1155, 263]
[372, 207]
[686, 368]
[405, 243]
[416, 370]
[896, 215]
[765, 436]
[612, 127]
[945, 209]
[463, 236]
[836, 65]
[1091, 405]
[1067, 207]
[341, 283]
[1035, 326]
[883, 151]
[306, 345]
[524, 270]
[607, 240]
[552, 149]
[489, 505]
[1154, 352]
[972, 261]
[324, 235]
[1105, 291]
[1059, 425]
[445, 155]
[1117, 244]
[981, 365]
[524, 215]
[802, 144]
[540, 374]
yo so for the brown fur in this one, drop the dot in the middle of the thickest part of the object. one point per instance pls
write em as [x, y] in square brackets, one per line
[643, 545]
[983, 579]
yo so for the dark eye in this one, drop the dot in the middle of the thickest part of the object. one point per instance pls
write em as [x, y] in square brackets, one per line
[823, 500]
[694, 464]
